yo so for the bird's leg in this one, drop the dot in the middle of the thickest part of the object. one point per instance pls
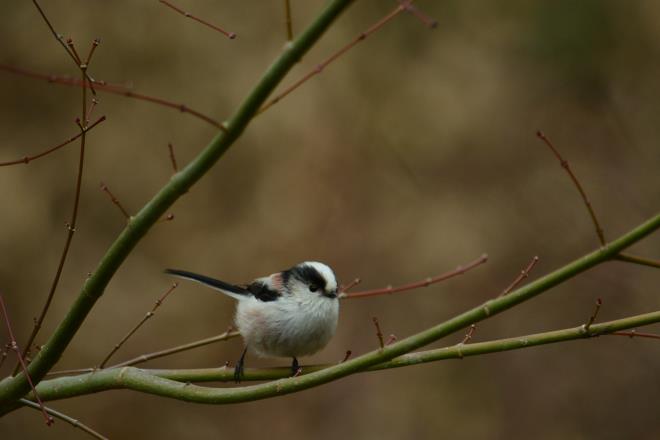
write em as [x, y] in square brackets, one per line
[294, 367]
[238, 370]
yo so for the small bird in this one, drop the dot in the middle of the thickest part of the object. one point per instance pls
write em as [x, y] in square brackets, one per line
[290, 313]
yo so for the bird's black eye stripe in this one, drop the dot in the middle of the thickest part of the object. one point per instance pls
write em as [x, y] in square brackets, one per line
[308, 275]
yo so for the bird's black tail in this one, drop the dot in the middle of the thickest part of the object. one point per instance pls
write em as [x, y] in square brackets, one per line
[226, 288]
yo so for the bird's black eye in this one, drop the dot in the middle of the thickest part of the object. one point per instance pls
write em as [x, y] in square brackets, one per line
[313, 287]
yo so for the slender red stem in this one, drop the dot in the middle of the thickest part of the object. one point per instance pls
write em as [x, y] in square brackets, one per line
[149, 314]
[28, 159]
[460, 270]
[319, 67]
[230, 35]
[114, 89]
[523, 274]
[14, 346]
[114, 200]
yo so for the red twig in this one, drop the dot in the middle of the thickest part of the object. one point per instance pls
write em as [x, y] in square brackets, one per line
[565, 165]
[638, 260]
[71, 52]
[319, 67]
[423, 283]
[349, 286]
[72, 48]
[469, 334]
[173, 158]
[425, 19]
[114, 200]
[523, 274]
[71, 226]
[92, 106]
[599, 230]
[14, 346]
[379, 333]
[229, 334]
[112, 88]
[92, 49]
[149, 314]
[28, 159]
[635, 334]
[287, 18]
[230, 35]
[592, 318]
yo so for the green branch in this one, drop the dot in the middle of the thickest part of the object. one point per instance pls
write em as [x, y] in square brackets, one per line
[66, 387]
[13, 388]
[142, 380]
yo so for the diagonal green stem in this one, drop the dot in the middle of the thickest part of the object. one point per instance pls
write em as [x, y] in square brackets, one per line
[12, 389]
[141, 380]
[80, 385]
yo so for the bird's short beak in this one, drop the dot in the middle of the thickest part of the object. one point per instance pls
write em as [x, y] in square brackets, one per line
[331, 294]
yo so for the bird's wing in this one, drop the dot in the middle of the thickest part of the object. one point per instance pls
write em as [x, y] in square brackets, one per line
[262, 291]
[232, 290]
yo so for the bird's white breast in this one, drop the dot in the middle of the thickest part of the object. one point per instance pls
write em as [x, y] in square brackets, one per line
[289, 326]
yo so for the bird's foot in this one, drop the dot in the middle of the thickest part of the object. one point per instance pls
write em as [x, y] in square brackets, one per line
[239, 368]
[296, 370]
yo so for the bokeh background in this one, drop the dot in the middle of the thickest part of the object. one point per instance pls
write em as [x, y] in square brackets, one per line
[412, 154]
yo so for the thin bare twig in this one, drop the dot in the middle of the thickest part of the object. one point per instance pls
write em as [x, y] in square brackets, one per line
[638, 260]
[592, 318]
[115, 89]
[469, 334]
[72, 48]
[92, 106]
[424, 283]
[114, 200]
[69, 50]
[629, 258]
[565, 165]
[71, 226]
[70, 420]
[230, 35]
[287, 18]
[349, 286]
[635, 334]
[173, 158]
[92, 49]
[28, 159]
[519, 279]
[319, 67]
[149, 314]
[229, 334]
[379, 333]
[523, 274]
[13, 345]
[425, 19]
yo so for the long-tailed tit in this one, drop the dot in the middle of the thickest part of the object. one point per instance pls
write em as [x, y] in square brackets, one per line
[290, 313]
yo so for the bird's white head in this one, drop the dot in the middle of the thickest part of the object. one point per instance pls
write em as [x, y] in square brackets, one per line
[310, 277]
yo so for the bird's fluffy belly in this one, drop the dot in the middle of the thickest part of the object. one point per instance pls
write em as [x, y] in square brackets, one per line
[291, 329]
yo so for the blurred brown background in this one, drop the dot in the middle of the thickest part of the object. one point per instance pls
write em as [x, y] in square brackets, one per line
[412, 154]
